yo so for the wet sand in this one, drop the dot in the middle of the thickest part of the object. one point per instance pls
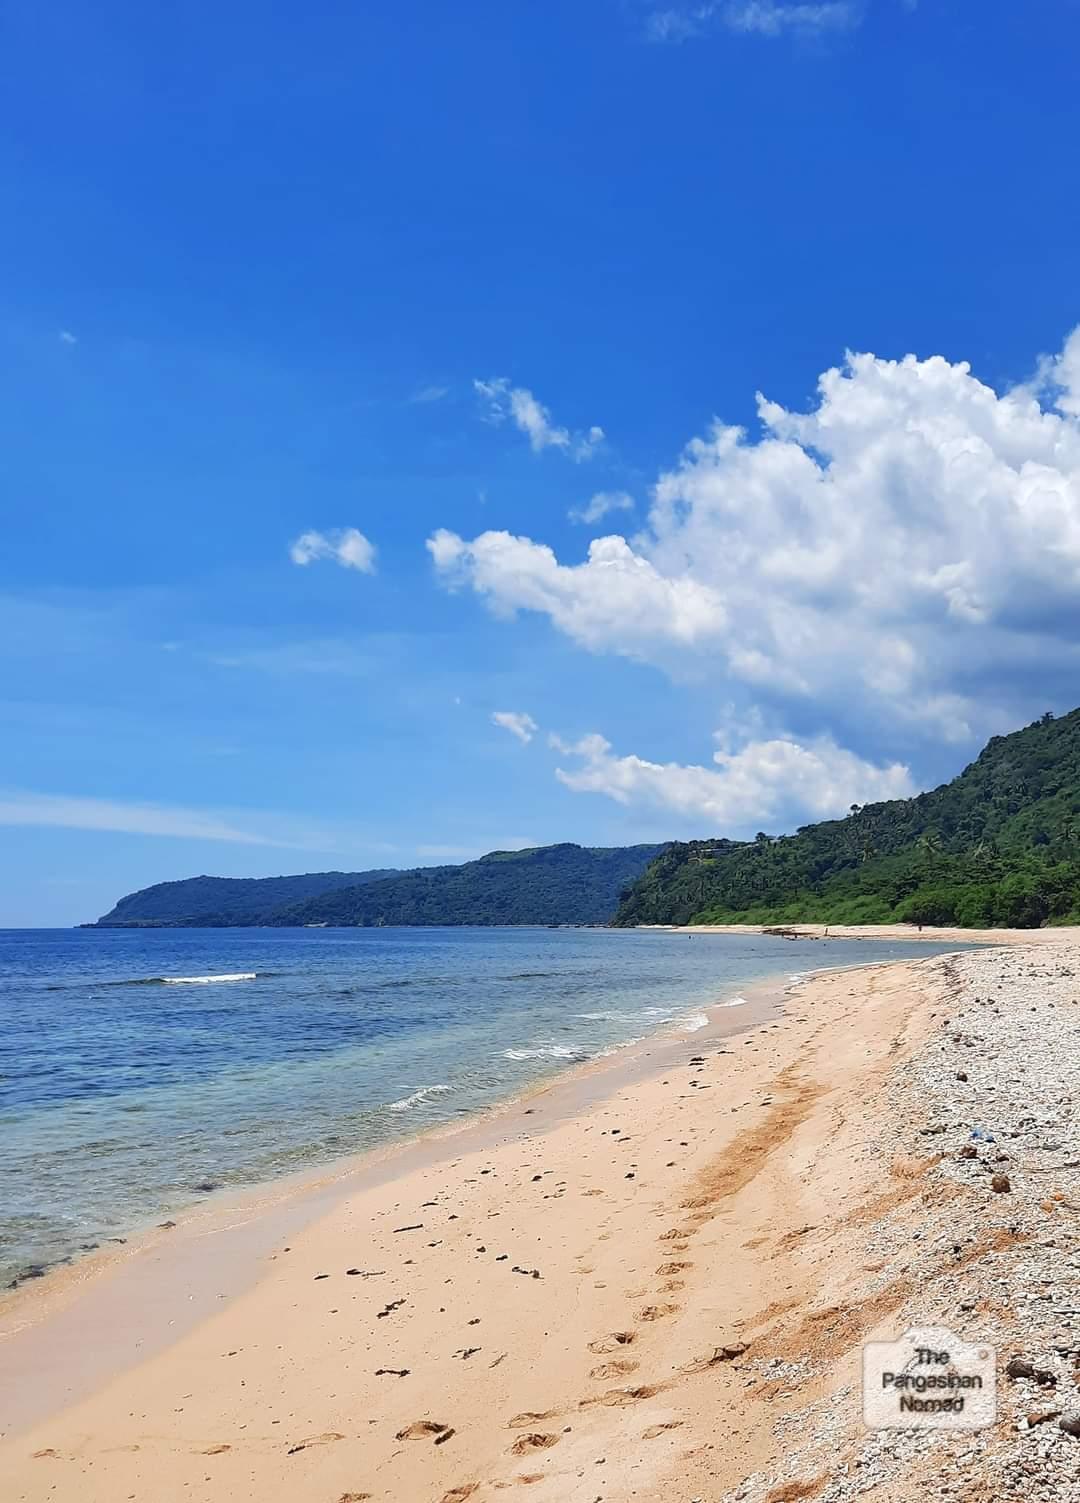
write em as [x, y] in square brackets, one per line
[82, 1324]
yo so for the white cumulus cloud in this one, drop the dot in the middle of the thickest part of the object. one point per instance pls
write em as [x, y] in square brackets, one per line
[523, 726]
[615, 600]
[529, 415]
[345, 545]
[906, 551]
[777, 779]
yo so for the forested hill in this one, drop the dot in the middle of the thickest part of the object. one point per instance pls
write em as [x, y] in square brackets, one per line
[558, 884]
[215, 902]
[554, 884]
[999, 845]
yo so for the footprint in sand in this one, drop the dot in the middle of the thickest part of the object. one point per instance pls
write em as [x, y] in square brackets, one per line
[215, 1450]
[530, 1417]
[667, 1269]
[315, 1440]
[535, 1441]
[612, 1343]
[613, 1370]
[354, 1498]
[654, 1430]
[619, 1398]
[657, 1312]
[422, 1430]
[459, 1494]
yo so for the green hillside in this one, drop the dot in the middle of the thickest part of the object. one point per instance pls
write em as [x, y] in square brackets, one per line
[555, 884]
[999, 845]
[215, 902]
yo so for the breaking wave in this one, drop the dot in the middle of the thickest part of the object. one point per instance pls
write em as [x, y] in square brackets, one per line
[203, 980]
[548, 1051]
[407, 1102]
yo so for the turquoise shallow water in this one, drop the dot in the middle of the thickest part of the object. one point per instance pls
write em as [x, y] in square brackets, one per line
[130, 1082]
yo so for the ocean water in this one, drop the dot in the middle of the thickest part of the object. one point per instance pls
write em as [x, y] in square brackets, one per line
[141, 1071]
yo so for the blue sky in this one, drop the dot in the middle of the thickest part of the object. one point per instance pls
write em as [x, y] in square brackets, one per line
[419, 283]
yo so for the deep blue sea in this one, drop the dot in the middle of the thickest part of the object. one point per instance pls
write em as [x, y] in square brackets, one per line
[133, 1070]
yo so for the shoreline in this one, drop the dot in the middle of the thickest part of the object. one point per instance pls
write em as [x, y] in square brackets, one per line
[64, 1278]
[581, 1279]
[246, 1224]
[926, 934]
[31, 1287]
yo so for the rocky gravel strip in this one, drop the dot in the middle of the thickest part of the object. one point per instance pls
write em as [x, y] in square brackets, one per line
[986, 1112]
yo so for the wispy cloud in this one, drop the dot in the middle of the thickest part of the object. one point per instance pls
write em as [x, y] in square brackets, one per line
[600, 506]
[531, 417]
[771, 19]
[523, 726]
[768, 18]
[67, 337]
[321, 656]
[69, 812]
[676, 25]
[430, 394]
[345, 545]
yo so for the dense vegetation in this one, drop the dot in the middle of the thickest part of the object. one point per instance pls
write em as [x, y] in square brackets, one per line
[999, 845]
[555, 884]
[216, 902]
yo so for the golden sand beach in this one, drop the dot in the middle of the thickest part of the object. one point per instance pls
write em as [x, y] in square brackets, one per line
[605, 1291]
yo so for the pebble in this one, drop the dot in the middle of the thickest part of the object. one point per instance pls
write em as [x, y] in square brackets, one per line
[1017, 1011]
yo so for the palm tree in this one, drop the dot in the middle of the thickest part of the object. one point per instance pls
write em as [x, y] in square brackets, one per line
[931, 843]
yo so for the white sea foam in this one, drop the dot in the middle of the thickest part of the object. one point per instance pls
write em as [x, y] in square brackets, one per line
[207, 980]
[622, 1044]
[547, 1051]
[407, 1102]
[734, 1002]
[800, 978]
[693, 1022]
